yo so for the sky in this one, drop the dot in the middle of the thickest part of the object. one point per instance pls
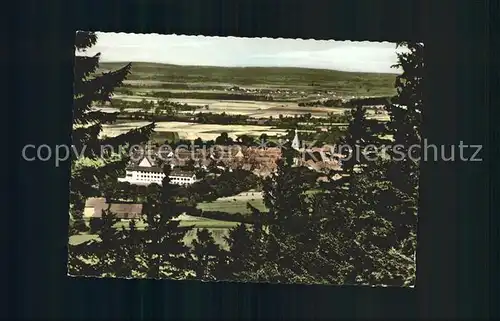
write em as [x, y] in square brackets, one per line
[240, 52]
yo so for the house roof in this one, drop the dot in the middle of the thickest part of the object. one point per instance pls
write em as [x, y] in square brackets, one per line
[91, 202]
[176, 156]
[153, 169]
[181, 173]
[120, 210]
[226, 154]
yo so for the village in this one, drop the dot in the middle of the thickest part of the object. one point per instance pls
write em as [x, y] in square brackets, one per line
[191, 166]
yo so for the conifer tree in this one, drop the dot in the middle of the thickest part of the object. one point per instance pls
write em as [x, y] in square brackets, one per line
[377, 206]
[208, 261]
[91, 89]
[102, 256]
[281, 243]
[393, 182]
[360, 230]
[165, 253]
[247, 255]
[406, 114]
[361, 136]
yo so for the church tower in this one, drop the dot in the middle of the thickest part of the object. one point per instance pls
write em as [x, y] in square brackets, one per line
[296, 141]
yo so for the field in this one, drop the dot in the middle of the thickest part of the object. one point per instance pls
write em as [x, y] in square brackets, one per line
[202, 78]
[254, 109]
[235, 204]
[218, 228]
[262, 93]
[192, 131]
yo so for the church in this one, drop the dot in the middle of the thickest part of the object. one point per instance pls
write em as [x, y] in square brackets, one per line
[316, 158]
[296, 141]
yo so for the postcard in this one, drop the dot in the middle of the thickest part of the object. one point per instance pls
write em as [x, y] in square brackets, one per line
[245, 159]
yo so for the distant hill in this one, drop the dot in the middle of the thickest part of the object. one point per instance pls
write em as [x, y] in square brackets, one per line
[376, 83]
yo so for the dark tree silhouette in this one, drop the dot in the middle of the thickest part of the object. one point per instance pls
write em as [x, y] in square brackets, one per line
[163, 238]
[90, 89]
[208, 261]
[224, 139]
[246, 140]
[378, 203]
[359, 230]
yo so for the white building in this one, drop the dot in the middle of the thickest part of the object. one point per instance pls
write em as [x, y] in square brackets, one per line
[146, 173]
[296, 141]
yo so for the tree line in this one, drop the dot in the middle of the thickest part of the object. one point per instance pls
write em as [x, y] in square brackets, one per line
[161, 106]
[323, 103]
[212, 95]
[229, 119]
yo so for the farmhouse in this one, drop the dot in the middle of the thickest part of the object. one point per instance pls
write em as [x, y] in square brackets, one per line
[95, 205]
[147, 172]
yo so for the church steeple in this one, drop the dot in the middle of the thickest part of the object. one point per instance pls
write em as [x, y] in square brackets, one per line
[296, 141]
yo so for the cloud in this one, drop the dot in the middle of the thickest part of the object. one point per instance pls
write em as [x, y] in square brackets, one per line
[347, 58]
[232, 51]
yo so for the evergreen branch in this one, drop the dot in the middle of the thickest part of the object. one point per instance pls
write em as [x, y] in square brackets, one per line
[84, 67]
[84, 40]
[102, 117]
[135, 136]
[102, 86]
[85, 139]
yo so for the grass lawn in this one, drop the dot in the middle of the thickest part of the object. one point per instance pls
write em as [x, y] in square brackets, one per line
[77, 239]
[238, 203]
[232, 206]
[191, 131]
